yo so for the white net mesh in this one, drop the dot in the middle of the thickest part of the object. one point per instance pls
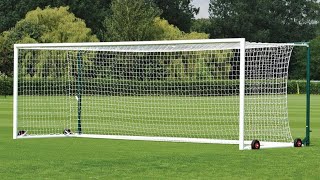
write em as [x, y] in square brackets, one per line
[182, 90]
[266, 111]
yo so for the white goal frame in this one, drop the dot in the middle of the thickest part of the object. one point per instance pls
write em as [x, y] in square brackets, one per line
[241, 141]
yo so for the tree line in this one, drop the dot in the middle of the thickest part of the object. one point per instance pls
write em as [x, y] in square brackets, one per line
[49, 21]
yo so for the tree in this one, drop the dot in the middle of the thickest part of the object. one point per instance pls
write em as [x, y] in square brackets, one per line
[315, 58]
[93, 12]
[10, 12]
[125, 26]
[165, 31]
[191, 66]
[264, 21]
[201, 25]
[43, 26]
[298, 65]
[178, 12]
[130, 20]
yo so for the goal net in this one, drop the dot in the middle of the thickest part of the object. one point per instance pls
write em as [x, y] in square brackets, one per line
[208, 91]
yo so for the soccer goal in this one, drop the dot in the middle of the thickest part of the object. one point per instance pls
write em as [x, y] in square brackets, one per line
[225, 91]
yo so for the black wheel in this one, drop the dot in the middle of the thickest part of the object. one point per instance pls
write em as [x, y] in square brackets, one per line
[297, 142]
[255, 144]
[22, 133]
[67, 132]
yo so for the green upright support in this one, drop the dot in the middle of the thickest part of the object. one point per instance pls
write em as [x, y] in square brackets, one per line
[79, 90]
[306, 140]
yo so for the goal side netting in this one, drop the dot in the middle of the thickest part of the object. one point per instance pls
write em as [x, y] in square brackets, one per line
[187, 91]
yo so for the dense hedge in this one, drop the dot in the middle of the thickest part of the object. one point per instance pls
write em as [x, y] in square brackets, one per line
[129, 87]
[299, 87]
[6, 86]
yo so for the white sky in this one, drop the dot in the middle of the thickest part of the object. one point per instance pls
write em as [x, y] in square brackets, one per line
[204, 6]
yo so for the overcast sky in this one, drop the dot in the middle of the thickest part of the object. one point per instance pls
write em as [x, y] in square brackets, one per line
[204, 6]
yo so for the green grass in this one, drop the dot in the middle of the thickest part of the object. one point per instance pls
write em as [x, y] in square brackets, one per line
[78, 158]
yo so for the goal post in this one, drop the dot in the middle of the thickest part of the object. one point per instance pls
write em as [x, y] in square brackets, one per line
[225, 91]
[242, 94]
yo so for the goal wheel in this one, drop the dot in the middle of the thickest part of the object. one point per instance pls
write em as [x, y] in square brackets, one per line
[297, 142]
[255, 144]
[67, 132]
[22, 133]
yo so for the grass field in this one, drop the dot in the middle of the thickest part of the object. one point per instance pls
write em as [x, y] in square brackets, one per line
[79, 158]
